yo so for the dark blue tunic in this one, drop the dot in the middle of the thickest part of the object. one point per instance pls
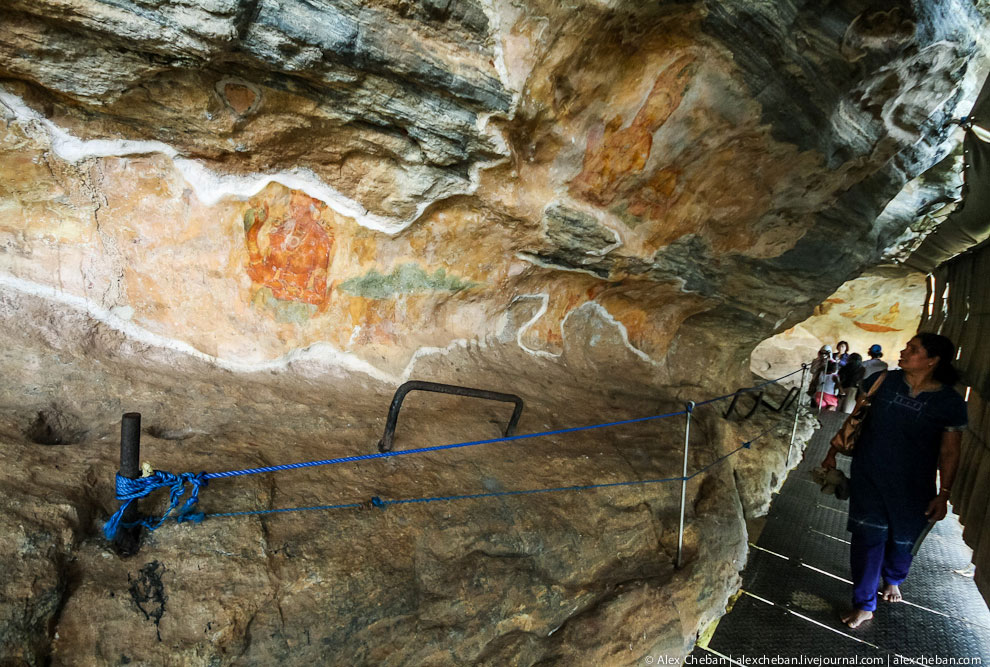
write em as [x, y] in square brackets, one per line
[896, 458]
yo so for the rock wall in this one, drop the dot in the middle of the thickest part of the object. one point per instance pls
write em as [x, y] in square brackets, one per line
[882, 306]
[250, 220]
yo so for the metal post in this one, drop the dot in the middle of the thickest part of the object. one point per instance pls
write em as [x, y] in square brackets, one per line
[129, 539]
[797, 411]
[687, 439]
[821, 388]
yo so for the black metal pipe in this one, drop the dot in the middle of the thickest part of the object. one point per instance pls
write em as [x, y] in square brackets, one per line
[792, 394]
[735, 399]
[387, 441]
[788, 399]
[128, 540]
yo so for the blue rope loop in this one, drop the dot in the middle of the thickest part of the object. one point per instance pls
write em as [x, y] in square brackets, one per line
[130, 490]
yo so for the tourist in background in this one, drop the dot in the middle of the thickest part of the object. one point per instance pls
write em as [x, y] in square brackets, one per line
[874, 364]
[850, 376]
[841, 353]
[824, 379]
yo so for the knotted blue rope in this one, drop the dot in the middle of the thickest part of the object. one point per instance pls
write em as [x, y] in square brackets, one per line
[129, 490]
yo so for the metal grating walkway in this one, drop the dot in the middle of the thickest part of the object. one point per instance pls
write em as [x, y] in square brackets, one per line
[796, 584]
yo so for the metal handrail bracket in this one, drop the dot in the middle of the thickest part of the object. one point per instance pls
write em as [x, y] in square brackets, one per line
[388, 439]
[735, 399]
[784, 404]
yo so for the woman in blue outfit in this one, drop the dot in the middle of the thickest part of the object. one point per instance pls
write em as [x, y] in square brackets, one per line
[912, 431]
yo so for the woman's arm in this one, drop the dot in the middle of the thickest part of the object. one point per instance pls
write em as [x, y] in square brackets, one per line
[948, 462]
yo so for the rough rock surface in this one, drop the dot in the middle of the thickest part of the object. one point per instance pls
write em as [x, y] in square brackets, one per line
[251, 219]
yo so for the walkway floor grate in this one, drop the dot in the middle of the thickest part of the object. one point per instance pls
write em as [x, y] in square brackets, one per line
[796, 584]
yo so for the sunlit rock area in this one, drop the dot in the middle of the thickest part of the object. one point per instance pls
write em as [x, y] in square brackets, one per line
[881, 307]
[252, 220]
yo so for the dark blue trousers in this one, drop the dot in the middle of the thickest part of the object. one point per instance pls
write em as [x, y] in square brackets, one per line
[874, 555]
[884, 528]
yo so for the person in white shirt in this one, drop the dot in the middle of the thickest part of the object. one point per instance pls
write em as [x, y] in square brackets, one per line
[874, 364]
[823, 389]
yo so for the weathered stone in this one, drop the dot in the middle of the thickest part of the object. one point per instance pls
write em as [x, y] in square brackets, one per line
[251, 220]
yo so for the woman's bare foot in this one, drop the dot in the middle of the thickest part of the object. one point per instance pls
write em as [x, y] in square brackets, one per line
[856, 617]
[892, 593]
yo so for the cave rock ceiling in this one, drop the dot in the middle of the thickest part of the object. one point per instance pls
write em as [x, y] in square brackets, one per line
[385, 176]
[249, 220]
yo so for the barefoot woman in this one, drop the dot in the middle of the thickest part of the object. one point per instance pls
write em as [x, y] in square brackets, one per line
[913, 430]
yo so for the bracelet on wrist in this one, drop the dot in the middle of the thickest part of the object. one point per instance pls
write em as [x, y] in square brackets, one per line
[945, 491]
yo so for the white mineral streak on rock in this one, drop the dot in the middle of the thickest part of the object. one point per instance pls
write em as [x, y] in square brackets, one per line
[514, 55]
[211, 186]
[607, 316]
[532, 259]
[73, 149]
[318, 355]
[311, 361]
[463, 343]
[493, 10]
[599, 309]
[544, 299]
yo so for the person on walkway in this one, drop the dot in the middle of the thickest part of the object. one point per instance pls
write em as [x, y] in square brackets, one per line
[850, 376]
[911, 433]
[823, 386]
[874, 364]
[842, 352]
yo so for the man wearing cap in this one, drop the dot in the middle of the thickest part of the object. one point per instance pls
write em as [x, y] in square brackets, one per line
[874, 364]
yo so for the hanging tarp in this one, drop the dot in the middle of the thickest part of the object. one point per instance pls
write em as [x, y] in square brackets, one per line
[971, 490]
[969, 224]
[960, 296]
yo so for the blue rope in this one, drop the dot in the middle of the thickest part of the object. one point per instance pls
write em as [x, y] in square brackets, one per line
[382, 504]
[132, 489]
[129, 490]
[423, 450]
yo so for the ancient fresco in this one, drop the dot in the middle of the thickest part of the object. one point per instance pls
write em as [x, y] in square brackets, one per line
[617, 154]
[891, 299]
[289, 249]
[883, 317]
[406, 279]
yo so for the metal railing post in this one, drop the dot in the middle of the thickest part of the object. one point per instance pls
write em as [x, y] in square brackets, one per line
[821, 388]
[797, 411]
[129, 539]
[684, 471]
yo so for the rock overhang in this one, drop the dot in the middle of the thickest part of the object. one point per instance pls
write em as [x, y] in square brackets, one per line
[602, 207]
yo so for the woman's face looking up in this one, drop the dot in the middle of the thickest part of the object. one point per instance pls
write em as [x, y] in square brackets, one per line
[914, 357]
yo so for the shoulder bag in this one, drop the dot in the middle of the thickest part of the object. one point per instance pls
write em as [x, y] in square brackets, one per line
[845, 440]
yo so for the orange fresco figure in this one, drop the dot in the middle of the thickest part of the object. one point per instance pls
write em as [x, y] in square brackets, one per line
[615, 154]
[297, 261]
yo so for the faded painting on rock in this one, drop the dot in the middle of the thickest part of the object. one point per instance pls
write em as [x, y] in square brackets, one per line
[289, 249]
